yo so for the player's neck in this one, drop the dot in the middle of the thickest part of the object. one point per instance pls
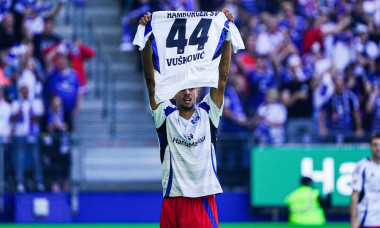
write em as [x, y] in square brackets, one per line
[377, 161]
[186, 114]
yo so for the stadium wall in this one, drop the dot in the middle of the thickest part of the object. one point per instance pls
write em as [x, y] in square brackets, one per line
[110, 207]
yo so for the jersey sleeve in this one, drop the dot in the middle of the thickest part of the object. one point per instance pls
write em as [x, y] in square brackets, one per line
[164, 109]
[214, 112]
[142, 35]
[357, 178]
[234, 35]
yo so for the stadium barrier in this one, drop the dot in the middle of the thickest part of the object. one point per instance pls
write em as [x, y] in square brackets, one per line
[276, 172]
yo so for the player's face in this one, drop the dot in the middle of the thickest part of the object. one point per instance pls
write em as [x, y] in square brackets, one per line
[375, 147]
[186, 98]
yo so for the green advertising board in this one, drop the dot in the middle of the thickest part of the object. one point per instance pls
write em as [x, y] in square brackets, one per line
[275, 172]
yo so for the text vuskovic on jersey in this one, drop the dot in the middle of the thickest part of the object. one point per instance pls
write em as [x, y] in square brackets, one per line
[185, 59]
[187, 144]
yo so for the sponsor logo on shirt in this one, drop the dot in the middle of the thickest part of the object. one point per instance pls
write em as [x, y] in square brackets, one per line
[189, 144]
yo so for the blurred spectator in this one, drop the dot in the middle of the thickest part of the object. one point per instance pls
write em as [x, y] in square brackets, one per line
[260, 80]
[294, 25]
[63, 82]
[9, 35]
[46, 39]
[296, 95]
[5, 135]
[271, 118]
[26, 115]
[5, 118]
[4, 80]
[234, 125]
[319, 28]
[270, 40]
[341, 113]
[59, 165]
[34, 22]
[246, 58]
[30, 75]
[78, 54]
[373, 108]
[126, 39]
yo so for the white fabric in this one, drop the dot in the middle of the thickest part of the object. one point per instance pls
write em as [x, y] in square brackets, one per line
[29, 80]
[274, 113]
[324, 91]
[189, 149]
[370, 203]
[199, 70]
[35, 25]
[23, 126]
[5, 120]
[271, 114]
[267, 42]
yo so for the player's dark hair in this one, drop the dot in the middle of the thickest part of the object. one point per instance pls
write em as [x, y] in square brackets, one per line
[306, 181]
[49, 19]
[375, 136]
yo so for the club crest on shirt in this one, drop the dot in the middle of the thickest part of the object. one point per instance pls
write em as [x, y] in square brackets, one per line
[188, 136]
[194, 121]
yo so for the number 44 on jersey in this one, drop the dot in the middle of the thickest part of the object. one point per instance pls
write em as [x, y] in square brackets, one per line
[179, 27]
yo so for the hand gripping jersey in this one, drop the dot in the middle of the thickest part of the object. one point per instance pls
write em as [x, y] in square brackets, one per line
[188, 152]
[366, 180]
[186, 49]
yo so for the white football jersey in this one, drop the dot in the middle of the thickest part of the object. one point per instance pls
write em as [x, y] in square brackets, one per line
[187, 149]
[366, 180]
[186, 49]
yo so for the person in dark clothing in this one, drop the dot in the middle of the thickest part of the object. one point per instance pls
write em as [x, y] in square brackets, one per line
[296, 95]
[341, 113]
[8, 34]
[45, 40]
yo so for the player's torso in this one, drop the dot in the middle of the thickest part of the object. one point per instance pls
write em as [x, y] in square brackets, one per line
[191, 156]
[370, 203]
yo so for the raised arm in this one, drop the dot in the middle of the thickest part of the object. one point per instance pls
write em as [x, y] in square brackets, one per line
[146, 57]
[217, 95]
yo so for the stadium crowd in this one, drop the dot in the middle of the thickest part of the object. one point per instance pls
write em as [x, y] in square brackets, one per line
[309, 73]
[42, 82]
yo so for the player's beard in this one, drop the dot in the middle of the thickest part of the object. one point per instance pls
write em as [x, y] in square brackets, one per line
[187, 108]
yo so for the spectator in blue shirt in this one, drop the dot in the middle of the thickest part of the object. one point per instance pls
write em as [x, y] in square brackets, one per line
[63, 82]
[342, 115]
[260, 80]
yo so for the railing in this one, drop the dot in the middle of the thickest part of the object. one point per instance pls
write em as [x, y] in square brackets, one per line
[100, 71]
[100, 68]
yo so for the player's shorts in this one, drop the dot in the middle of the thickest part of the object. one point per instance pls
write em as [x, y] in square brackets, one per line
[184, 212]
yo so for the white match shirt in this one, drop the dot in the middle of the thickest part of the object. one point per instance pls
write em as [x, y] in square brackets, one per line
[366, 180]
[186, 49]
[24, 126]
[187, 149]
[5, 120]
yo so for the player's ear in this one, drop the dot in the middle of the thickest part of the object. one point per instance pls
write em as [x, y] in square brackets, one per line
[196, 92]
